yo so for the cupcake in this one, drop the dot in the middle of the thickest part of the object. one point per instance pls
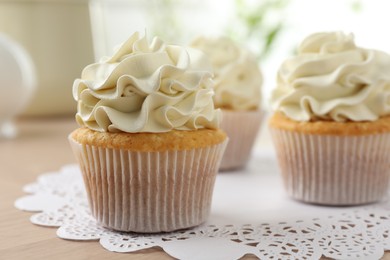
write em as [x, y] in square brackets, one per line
[149, 144]
[237, 88]
[331, 121]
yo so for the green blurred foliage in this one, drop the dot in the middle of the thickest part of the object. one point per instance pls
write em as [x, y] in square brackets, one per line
[165, 21]
[260, 23]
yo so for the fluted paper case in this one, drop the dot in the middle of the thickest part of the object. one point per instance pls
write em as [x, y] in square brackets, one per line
[334, 170]
[149, 192]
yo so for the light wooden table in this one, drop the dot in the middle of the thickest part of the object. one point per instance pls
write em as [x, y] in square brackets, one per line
[40, 147]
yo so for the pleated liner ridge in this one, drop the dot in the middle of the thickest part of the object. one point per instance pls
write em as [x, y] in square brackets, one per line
[242, 127]
[149, 192]
[333, 170]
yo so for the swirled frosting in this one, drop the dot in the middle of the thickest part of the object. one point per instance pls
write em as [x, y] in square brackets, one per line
[147, 88]
[331, 78]
[237, 75]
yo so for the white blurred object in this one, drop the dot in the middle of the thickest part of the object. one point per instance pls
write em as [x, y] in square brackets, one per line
[17, 83]
[57, 35]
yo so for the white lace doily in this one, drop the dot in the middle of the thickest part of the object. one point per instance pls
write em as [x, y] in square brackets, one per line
[250, 215]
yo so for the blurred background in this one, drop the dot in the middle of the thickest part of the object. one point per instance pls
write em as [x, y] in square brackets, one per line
[60, 37]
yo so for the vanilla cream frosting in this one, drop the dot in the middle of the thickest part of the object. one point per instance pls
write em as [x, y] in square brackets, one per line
[147, 88]
[237, 75]
[331, 78]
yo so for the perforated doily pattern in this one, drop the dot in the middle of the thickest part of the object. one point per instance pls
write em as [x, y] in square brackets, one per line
[362, 233]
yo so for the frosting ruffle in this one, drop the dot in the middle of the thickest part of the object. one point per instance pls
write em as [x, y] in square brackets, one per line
[332, 79]
[237, 76]
[147, 88]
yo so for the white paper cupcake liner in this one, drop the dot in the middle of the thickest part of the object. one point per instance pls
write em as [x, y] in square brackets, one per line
[333, 170]
[149, 192]
[242, 127]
